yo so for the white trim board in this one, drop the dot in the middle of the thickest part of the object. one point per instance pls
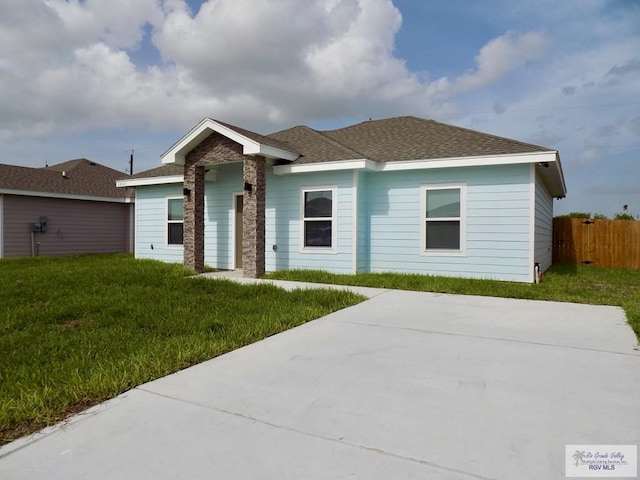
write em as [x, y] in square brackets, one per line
[360, 164]
[457, 162]
[137, 182]
[176, 153]
[549, 158]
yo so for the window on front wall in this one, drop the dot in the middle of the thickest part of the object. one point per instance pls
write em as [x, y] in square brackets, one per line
[175, 221]
[318, 220]
[443, 220]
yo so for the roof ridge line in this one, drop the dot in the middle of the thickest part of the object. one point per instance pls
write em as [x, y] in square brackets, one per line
[335, 142]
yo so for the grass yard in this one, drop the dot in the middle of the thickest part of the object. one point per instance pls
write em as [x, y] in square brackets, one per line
[562, 283]
[75, 331]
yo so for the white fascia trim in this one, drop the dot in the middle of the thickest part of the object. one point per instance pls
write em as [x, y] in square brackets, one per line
[67, 196]
[361, 164]
[457, 162]
[268, 152]
[558, 166]
[136, 182]
[177, 152]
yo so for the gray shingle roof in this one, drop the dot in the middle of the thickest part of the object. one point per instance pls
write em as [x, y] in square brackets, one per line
[387, 140]
[399, 139]
[269, 140]
[82, 177]
[316, 146]
[169, 170]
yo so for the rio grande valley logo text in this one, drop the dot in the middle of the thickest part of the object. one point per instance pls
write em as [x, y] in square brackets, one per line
[620, 461]
[599, 460]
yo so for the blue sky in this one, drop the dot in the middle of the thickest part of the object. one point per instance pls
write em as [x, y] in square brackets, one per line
[96, 79]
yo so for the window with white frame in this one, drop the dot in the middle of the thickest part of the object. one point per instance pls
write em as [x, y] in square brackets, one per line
[443, 219]
[318, 218]
[175, 220]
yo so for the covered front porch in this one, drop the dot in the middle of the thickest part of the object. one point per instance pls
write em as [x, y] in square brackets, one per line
[206, 147]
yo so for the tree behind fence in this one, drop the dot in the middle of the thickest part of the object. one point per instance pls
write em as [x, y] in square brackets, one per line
[607, 243]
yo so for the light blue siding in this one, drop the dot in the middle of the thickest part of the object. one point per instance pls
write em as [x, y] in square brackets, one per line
[283, 222]
[543, 226]
[219, 212]
[388, 223]
[497, 222]
[219, 207]
[151, 223]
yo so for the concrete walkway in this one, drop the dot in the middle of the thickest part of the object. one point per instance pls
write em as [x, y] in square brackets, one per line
[405, 385]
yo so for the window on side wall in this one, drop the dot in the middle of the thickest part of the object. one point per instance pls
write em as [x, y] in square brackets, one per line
[443, 220]
[175, 221]
[319, 219]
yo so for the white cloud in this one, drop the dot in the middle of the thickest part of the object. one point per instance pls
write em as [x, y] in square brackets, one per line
[72, 66]
[500, 56]
[92, 66]
[116, 22]
[262, 64]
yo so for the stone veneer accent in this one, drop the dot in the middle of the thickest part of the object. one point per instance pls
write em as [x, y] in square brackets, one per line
[253, 226]
[217, 149]
[193, 223]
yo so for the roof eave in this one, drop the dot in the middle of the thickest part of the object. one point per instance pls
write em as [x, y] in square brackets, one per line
[176, 154]
[553, 177]
[421, 164]
[137, 182]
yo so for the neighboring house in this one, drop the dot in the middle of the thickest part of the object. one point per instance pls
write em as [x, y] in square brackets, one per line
[68, 208]
[396, 195]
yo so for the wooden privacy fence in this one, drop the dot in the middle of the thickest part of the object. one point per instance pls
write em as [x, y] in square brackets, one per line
[607, 243]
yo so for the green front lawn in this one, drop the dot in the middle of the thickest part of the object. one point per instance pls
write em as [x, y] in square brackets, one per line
[75, 331]
[562, 283]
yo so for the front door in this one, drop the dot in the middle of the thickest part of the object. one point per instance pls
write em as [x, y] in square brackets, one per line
[238, 230]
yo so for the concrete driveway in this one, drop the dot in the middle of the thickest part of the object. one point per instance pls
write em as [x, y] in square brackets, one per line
[406, 385]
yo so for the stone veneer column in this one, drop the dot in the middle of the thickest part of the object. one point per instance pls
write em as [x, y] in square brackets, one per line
[193, 230]
[253, 220]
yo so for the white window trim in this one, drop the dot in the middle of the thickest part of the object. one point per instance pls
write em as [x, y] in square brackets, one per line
[462, 252]
[333, 249]
[167, 222]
